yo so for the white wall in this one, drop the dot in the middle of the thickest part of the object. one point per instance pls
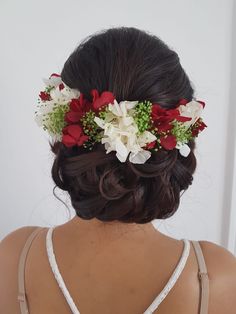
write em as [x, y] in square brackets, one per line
[230, 173]
[36, 39]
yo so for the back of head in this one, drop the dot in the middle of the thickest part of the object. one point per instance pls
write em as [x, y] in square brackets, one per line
[134, 65]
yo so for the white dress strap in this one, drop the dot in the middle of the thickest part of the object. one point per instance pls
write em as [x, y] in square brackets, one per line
[57, 274]
[174, 277]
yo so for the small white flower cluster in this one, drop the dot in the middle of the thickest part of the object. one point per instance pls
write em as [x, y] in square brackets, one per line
[121, 133]
[192, 109]
[58, 97]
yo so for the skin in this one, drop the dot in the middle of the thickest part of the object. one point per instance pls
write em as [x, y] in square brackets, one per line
[113, 268]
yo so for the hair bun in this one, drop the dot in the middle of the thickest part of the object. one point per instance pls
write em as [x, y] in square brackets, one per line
[133, 65]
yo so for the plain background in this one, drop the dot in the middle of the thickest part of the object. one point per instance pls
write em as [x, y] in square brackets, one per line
[36, 39]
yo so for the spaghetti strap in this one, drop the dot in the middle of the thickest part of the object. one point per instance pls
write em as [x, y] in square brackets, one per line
[203, 277]
[172, 280]
[21, 272]
[57, 274]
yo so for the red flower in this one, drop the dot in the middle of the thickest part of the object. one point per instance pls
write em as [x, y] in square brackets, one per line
[55, 74]
[169, 142]
[61, 86]
[44, 96]
[104, 99]
[198, 126]
[162, 118]
[201, 102]
[78, 107]
[183, 102]
[150, 145]
[73, 135]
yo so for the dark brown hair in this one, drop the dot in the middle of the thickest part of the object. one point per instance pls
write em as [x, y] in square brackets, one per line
[134, 65]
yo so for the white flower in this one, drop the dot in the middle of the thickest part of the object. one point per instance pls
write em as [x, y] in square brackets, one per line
[58, 97]
[184, 150]
[53, 81]
[43, 110]
[64, 95]
[121, 133]
[193, 110]
[122, 108]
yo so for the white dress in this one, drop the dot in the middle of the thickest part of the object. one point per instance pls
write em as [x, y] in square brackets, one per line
[152, 307]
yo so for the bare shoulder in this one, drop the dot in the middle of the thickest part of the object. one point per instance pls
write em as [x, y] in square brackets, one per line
[221, 267]
[18, 233]
[218, 258]
[13, 243]
[10, 249]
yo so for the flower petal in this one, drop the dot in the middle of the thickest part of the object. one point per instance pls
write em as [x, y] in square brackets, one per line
[183, 102]
[115, 109]
[104, 99]
[39, 120]
[75, 131]
[121, 150]
[127, 120]
[44, 96]
[183, 119]
[139, 158]
[82, 139]
[146, 137]
[168, 142]
[94, 93]
[150, 145]
[100, 122]
[72, 116]
[202, 103]
[55, 74]
[74, 104]
[53, 81]
[184, 150]
[68, 140]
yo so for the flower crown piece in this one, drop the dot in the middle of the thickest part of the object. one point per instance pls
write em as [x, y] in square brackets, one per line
[133, 129]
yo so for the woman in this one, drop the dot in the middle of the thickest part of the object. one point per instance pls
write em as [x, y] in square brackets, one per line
[124, 126]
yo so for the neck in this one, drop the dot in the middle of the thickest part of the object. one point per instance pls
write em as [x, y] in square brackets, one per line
[111, 231]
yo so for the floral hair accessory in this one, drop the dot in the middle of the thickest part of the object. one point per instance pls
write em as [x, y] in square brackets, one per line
[133, 129]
